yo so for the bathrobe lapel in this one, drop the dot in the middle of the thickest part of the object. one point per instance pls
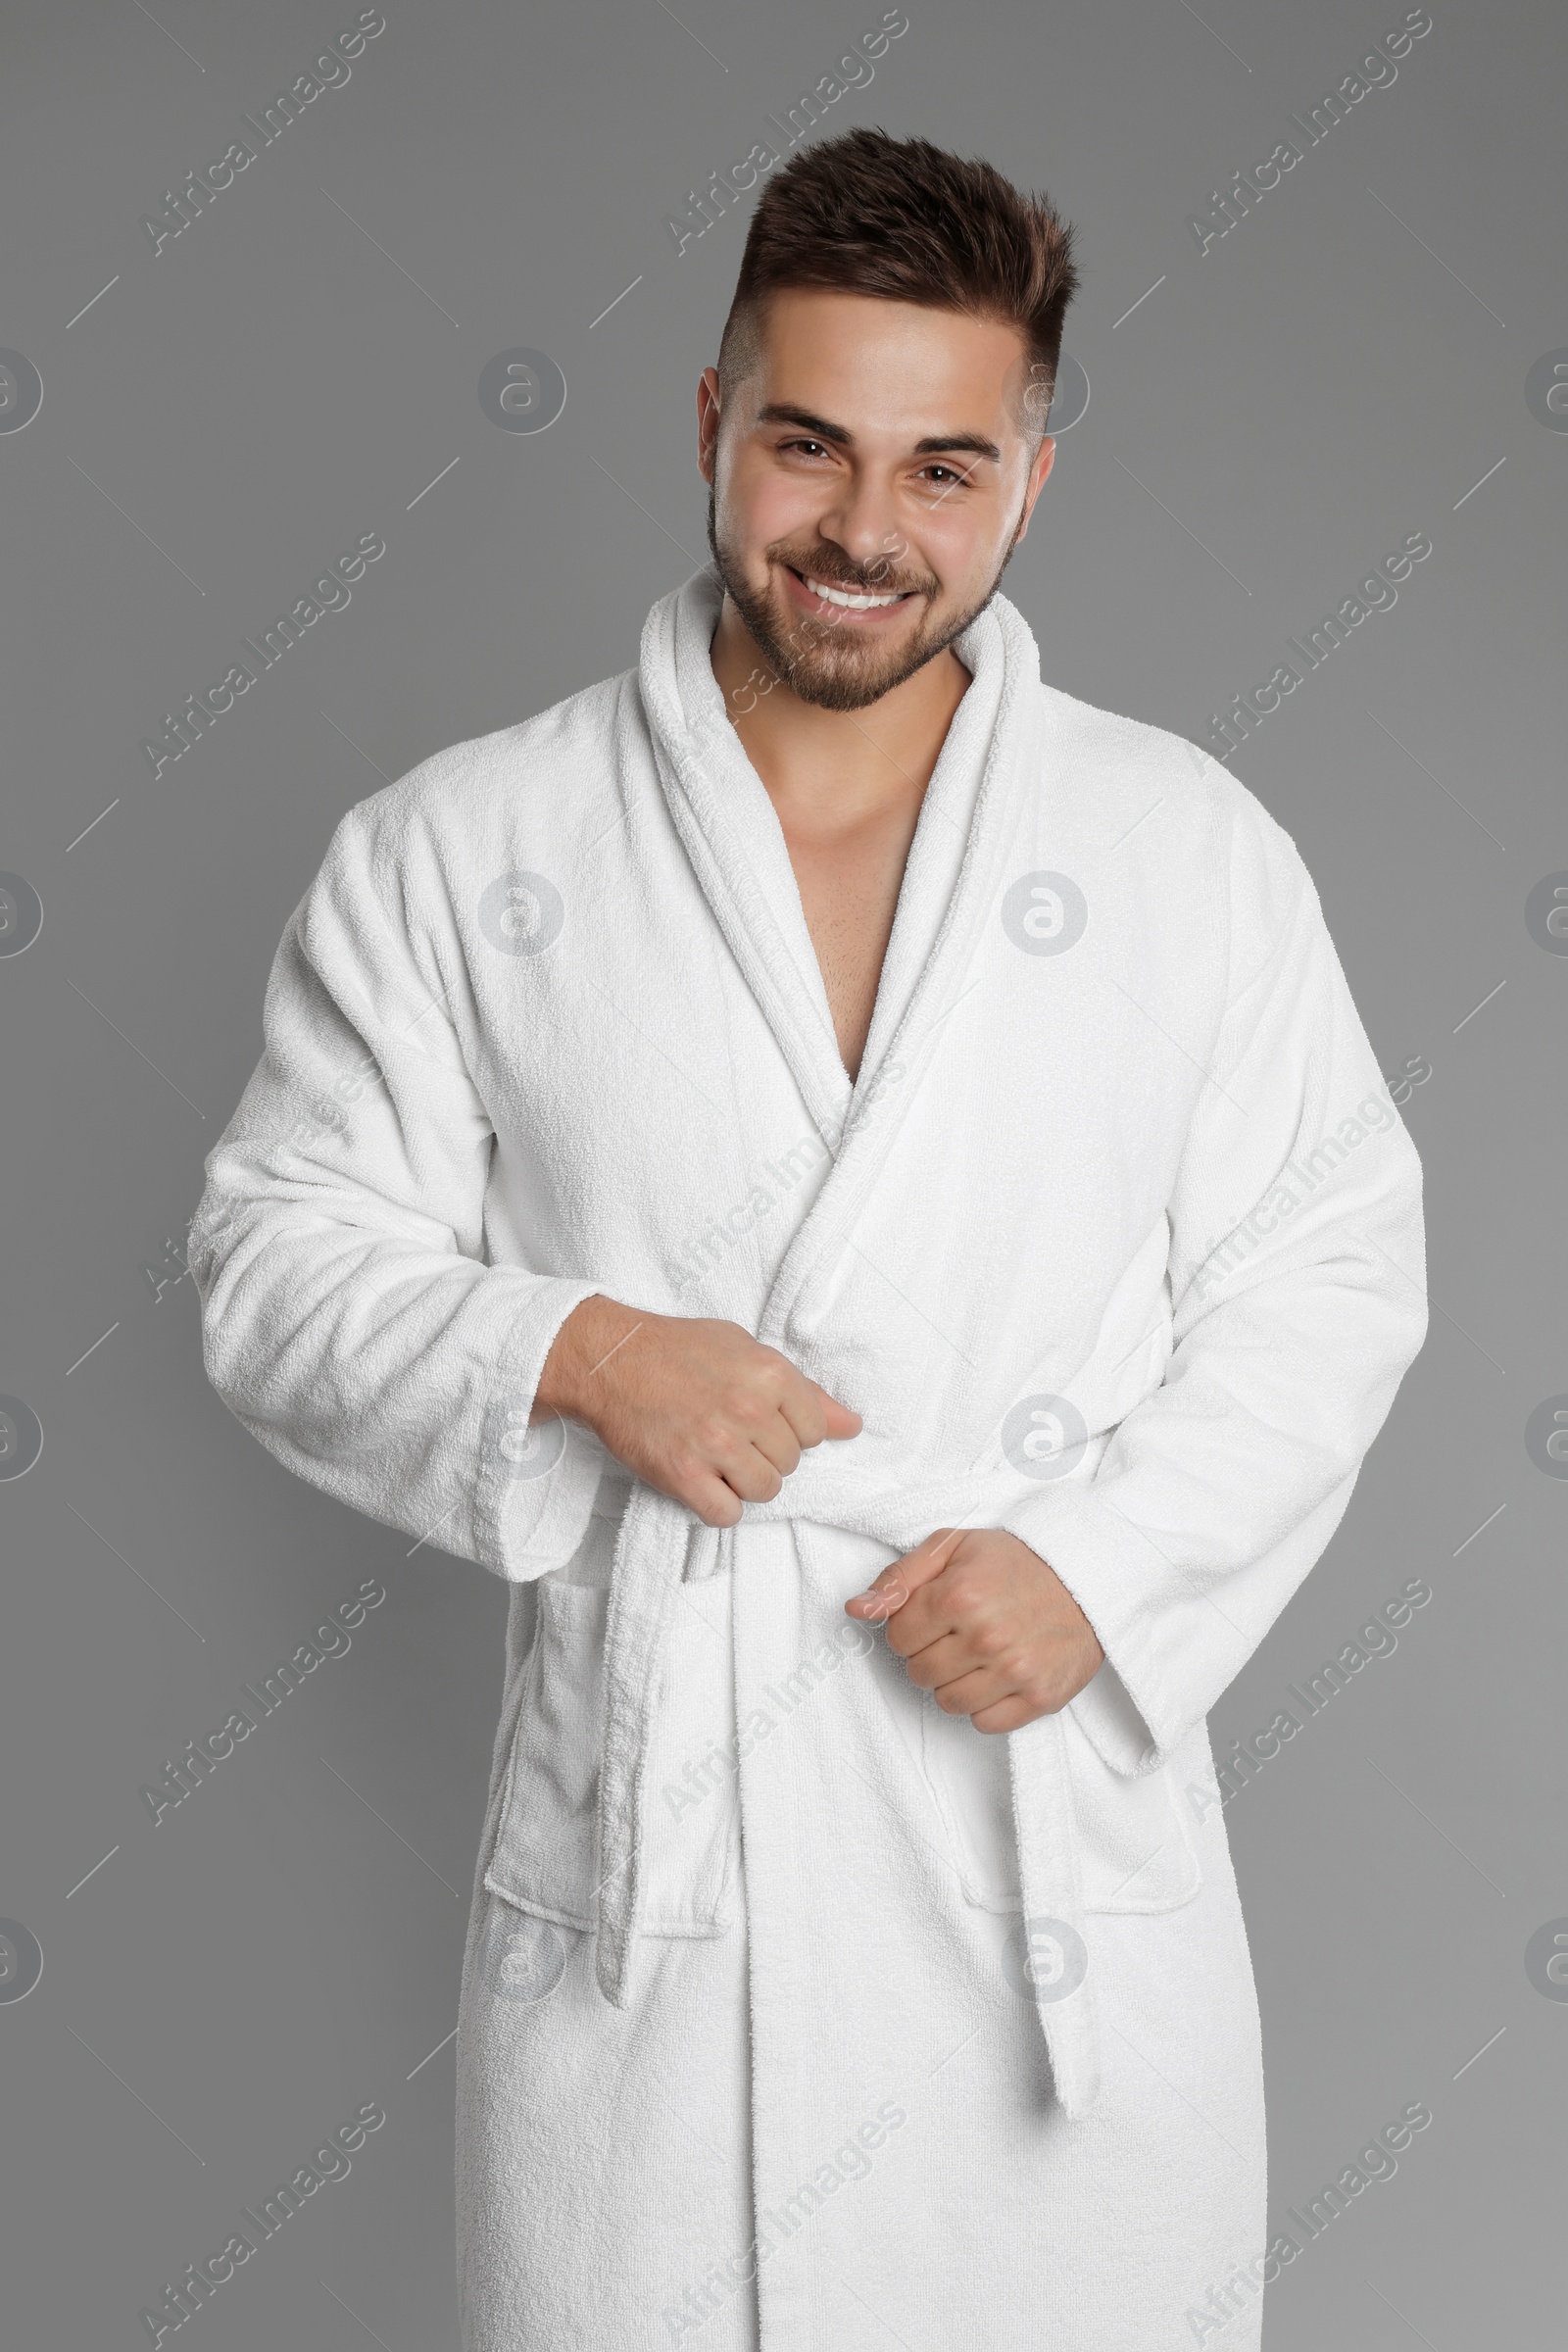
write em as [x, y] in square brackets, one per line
[731, 835]
[996, 763]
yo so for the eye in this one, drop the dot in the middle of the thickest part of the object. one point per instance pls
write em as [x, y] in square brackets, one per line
[955, 478]
[818, 446]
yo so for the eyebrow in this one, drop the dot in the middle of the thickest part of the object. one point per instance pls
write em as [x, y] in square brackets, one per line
[933, 445]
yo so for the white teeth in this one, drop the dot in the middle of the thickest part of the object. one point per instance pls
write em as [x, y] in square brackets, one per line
[855, 604]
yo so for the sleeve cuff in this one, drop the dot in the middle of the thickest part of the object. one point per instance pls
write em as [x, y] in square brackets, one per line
[535, 1483]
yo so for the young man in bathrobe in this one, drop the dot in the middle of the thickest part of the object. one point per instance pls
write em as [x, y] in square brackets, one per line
[853, 1180]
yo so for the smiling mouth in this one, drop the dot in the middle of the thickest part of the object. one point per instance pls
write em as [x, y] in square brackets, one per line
[851, 600]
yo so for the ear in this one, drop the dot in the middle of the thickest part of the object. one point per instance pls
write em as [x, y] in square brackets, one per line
[1038, 474]
[707, 423]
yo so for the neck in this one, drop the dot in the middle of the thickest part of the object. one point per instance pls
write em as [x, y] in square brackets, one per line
[834, 768]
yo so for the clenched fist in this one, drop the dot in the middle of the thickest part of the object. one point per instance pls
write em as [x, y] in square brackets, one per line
[695, 1406]
[986, 1625]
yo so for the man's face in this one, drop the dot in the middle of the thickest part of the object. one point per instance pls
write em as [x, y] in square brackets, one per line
[880, 449]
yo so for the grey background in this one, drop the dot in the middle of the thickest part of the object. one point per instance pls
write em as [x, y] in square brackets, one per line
[1340, 370]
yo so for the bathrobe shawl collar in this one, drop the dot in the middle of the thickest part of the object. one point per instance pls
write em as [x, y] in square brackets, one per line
[1003, 730]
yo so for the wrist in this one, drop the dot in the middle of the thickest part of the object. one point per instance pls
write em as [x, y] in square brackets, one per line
[567, 1385]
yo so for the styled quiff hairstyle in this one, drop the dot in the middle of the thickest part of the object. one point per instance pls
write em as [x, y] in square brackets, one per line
[905, 221]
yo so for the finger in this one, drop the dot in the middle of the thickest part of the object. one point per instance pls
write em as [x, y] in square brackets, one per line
[933, 1663]
[983, 1687]
[715, 1503]
[923, 1617]
[1008, 1715]
[804, 1407]
[842, 1420]
[753, 1477]
[778, 1444]
[902, 1578]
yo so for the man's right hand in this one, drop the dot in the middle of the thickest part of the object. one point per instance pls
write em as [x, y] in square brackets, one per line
[695, 1406]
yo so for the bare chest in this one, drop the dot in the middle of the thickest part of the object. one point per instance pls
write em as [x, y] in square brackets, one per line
[849, 895]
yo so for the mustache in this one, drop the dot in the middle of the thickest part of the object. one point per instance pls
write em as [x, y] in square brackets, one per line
[873, 580]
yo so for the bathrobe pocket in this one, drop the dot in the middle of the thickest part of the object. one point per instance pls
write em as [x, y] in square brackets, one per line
[1135, 1850]
[546, 1857]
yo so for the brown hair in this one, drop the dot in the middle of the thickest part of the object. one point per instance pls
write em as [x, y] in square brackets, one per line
[903, 220]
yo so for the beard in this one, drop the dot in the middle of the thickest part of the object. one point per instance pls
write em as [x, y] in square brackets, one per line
[826, 664]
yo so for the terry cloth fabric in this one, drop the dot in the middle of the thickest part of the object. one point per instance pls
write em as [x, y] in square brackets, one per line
[1115, 1242]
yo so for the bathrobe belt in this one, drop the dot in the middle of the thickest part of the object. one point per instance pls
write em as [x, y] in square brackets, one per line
[658, 1543]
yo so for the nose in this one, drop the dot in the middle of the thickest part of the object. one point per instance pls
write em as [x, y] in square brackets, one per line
[860, 520]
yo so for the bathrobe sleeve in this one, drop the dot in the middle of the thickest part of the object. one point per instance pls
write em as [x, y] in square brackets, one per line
[349, 1321]
[1297, 1283]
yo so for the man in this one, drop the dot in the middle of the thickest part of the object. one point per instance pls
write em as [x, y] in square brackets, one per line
[854, 1180]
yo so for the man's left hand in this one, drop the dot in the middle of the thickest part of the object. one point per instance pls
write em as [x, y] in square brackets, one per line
[986, 1625]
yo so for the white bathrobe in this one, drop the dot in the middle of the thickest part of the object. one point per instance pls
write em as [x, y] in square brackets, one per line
[795, 2013]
